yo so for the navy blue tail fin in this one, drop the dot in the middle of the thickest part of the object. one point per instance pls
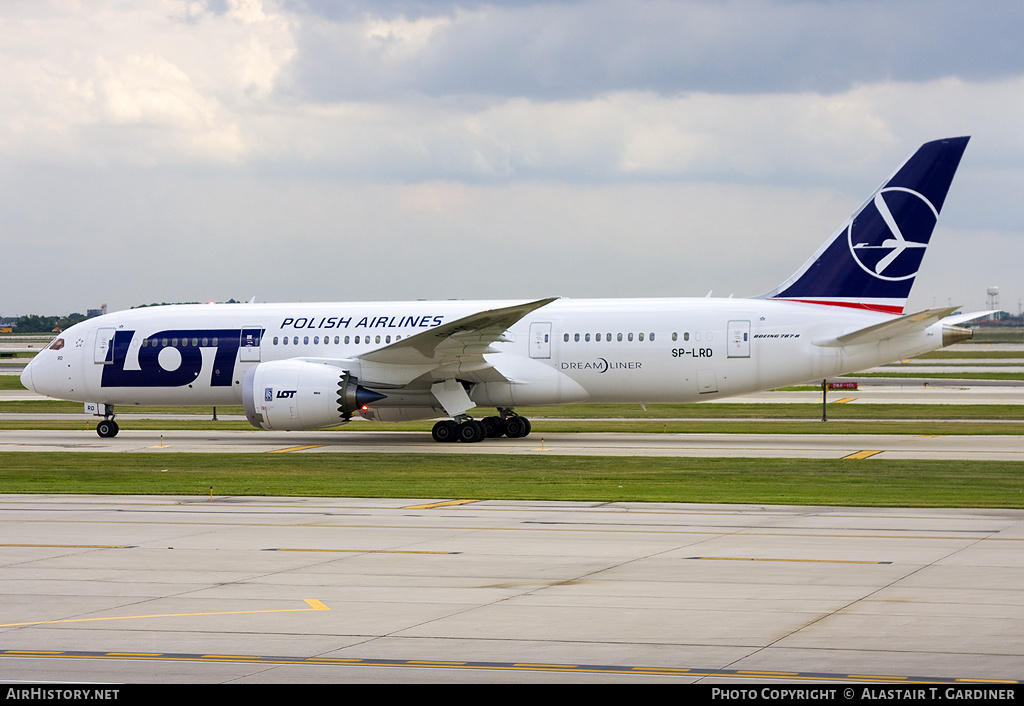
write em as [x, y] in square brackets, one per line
[871, 261]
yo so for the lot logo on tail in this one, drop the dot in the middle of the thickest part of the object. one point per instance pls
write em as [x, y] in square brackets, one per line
[872, 260]
[888, 238]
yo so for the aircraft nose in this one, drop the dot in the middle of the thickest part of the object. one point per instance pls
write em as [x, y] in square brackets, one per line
[26, 376]
[41, 375]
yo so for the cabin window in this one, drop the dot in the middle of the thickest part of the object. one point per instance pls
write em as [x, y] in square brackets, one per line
[629, 337]
[587, 338]
[652, 336]
[641, 337]
[275, 340]
[565, 338]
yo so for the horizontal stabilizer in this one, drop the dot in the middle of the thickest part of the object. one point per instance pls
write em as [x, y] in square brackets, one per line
[964, 318]
[911, 323]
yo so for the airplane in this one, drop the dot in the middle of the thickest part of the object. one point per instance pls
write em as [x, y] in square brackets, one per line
[316, 366]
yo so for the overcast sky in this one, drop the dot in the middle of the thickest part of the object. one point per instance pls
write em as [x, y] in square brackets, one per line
[313, 150]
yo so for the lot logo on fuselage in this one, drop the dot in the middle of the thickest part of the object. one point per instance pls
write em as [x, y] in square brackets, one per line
[888, 238]
[188, 344]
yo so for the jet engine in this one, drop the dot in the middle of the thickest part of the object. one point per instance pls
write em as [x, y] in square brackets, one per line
[289, 395]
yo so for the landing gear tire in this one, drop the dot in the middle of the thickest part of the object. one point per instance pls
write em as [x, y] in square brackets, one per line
[493, 426]
[445, 431]
[515, 427]
[107, 428]
[472, 431]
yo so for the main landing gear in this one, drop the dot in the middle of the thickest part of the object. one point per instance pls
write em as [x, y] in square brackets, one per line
[472, 431]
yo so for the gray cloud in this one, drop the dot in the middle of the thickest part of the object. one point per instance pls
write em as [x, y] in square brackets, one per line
[383, 150]
[578, 50]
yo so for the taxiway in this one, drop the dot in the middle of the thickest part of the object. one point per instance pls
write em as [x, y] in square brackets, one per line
[278, 590]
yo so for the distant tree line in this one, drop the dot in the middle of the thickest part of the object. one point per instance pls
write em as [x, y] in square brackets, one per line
[45, 324]
[142, 306]
[33, 323]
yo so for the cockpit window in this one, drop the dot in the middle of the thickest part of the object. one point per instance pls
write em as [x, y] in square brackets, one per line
[57, 344]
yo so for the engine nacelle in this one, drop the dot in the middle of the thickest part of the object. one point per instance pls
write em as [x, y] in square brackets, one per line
[297, 394]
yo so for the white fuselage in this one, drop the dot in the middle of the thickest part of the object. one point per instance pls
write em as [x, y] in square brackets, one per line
[600, 350]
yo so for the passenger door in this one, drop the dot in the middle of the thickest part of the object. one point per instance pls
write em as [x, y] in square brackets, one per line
[540, 339]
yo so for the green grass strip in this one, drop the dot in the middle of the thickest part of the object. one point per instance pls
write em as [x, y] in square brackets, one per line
[982, 354]
[782, 410]
[869, 482]
[945, 376]
[11, 382]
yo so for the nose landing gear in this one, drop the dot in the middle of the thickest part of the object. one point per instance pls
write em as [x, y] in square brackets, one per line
[108, 427]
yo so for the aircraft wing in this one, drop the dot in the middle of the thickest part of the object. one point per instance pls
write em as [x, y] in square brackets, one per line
[448, 350]
[899, 326]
